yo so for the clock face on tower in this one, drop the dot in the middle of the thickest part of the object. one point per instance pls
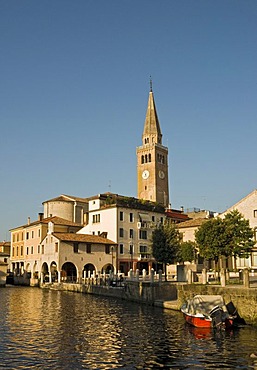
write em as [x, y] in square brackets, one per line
[161, 174]
[145, 174]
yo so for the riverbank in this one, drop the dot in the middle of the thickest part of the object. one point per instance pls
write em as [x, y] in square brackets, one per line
[169, 295]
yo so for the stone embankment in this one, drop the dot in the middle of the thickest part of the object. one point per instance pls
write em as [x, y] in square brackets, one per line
[169, 295]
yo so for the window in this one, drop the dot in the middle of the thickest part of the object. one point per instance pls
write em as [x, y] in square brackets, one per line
[31, 250]
[153, 218]
[121, 216]
[93, 233]
[75, 247]
[161, 220]
[96, 218]
[131, 233]
[43, 249]
[56, 247]
[38, 234]
[22, 250]
[160, 158]
[121, 233]
[142, 234]
[255, 234]
[121, 249]
[131, 249]
[255, 213]
[27, 235]
[17, 253]
[149, 157]
[38, 249]
[142, 159]
[143, 249]
[32, 234]
[27, 250]
[131, 217]
[107, 249]
[88, 248]
[13, 251]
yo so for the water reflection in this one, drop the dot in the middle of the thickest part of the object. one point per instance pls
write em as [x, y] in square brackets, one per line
[43, 329]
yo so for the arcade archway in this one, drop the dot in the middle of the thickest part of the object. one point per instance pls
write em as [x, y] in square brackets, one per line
[88, 270]
[69, 272]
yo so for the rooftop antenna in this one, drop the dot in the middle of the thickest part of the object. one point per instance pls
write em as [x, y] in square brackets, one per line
[151, 84]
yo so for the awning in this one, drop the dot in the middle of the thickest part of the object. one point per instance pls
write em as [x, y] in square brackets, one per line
[144, 217]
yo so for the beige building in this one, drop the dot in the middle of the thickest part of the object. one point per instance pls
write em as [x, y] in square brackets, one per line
[68, 207]
[188, 228]
[4, 261]
[26, 248]
[69, 257]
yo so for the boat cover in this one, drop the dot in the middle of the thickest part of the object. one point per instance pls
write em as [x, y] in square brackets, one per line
[203, 304]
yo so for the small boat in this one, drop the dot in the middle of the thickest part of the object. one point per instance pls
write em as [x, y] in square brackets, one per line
[207, 311]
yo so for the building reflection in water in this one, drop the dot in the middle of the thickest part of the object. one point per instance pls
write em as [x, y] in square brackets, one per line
[62, 330]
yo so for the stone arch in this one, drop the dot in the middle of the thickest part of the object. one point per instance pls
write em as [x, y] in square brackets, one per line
[45, 272]
[107, 269]
[54, 271]
[27, 272]
[88, 270]
[35, 270]
[69, 272]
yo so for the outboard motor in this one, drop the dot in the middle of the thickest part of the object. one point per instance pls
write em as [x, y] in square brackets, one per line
[216, 315]
[238, 320]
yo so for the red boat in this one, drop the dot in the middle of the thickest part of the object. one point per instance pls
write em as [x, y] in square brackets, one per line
[206, 311]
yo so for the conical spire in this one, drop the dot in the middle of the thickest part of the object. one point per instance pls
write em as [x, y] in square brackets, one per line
[152, 130]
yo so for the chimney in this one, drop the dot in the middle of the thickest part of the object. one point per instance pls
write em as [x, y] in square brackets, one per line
[28, 220]
[182, 209]
[40, 216]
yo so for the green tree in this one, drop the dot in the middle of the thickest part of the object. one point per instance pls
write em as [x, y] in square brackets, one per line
[211, 238]
[239, 235]
[186, 252]
[165, 244]
[231, 236]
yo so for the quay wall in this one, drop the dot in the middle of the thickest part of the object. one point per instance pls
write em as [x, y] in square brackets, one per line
[169, 295]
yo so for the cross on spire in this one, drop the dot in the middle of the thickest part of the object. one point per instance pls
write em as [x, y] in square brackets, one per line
[151, 84]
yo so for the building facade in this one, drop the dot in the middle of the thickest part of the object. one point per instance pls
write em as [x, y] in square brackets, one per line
[129, 222]
[27, 248]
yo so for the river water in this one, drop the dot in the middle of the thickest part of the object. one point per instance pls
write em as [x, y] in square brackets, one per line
[43, 329]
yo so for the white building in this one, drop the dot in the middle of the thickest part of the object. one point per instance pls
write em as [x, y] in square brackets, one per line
[129, 223]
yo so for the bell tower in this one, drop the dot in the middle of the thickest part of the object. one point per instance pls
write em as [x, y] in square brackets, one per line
[152, 159]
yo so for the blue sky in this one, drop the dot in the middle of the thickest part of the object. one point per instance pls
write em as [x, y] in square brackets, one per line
[74, 86]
